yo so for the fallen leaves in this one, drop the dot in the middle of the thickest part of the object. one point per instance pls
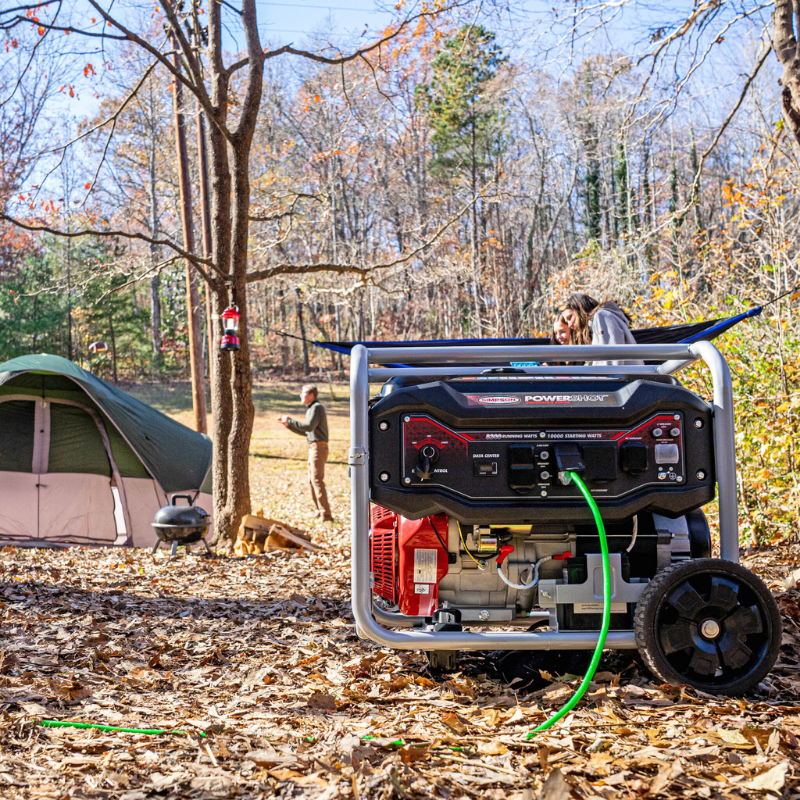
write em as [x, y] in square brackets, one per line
[773, 780]
[322, 702]
[261, 654]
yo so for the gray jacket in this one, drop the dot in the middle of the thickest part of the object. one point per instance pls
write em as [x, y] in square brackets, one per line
[315, 426]
[610, 326]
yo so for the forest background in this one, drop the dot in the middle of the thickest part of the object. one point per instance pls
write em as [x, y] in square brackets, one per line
[461, 184]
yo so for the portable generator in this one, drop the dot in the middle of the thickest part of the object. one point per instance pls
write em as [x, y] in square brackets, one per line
[479, 537]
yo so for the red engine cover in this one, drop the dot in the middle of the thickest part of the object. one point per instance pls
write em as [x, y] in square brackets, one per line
[421, 564]
[408, 560]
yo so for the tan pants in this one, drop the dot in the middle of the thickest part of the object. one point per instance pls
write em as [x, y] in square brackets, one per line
[317, 456]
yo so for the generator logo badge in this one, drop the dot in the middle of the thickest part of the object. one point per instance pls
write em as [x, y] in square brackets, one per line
[541, 399]
[575, 399]
[494, 399]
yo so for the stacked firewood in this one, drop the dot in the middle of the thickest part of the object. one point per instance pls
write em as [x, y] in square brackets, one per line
[258, 535]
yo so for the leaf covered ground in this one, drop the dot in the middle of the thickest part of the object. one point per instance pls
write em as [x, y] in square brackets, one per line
[261, 655]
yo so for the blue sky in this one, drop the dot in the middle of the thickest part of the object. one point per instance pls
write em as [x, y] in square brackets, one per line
[524, 29]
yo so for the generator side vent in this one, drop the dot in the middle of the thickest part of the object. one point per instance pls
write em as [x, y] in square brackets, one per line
[380, 513]
[383, 553]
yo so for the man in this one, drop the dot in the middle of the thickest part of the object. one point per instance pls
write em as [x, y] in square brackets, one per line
[315, 428]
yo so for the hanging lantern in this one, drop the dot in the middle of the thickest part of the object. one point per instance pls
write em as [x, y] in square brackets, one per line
[230, 323]
[98, 347]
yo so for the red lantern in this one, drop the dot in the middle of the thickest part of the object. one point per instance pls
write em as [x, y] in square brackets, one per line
[230, 323]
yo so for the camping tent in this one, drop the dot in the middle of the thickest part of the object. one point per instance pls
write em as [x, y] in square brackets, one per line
[82, 462]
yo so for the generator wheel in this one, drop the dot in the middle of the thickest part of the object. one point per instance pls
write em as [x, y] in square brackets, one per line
[710, 624]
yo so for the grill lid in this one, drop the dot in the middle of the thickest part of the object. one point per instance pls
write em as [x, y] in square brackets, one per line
[175, 516]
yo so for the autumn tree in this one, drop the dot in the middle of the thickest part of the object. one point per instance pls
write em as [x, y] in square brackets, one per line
[229, 92]
[466, 120]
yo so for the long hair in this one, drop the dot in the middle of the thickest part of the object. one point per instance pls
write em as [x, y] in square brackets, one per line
[584, 308]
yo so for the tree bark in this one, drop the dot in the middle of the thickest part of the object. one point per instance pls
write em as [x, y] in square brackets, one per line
[192, 278]
[205, 218]
[230, 204]
[785, 45]
[285, 353]
[113, 346]
[302, 325]
[155, 281]
[473, 242]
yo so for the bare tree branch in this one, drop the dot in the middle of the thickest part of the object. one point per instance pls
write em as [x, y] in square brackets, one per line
[136, 279]
[357, 53]
[197, 262]
[283, 214]
[341, 269]
[726, 122]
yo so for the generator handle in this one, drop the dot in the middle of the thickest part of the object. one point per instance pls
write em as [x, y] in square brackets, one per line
[724, 450]
[498, 353]
[384, 373]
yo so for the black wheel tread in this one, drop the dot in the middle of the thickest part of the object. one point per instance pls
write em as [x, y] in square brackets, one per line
[655, 590]
[645, 598]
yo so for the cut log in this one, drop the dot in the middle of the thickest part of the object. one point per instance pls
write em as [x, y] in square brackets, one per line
[259, 534]
[282, 539]
[254, 522]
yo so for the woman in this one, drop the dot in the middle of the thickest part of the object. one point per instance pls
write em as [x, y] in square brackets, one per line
[591, 322]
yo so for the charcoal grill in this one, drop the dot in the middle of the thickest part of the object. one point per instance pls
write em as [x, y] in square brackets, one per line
[181, 525]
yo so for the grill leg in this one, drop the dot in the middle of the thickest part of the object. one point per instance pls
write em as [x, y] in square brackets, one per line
[208, 549]
[173, 549]
[155, 546]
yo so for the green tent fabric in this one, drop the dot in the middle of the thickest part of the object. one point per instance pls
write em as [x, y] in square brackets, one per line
[176, 456]
[16, 422]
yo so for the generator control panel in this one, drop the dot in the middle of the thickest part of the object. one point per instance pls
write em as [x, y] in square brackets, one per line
[445, 446]
[491, 464]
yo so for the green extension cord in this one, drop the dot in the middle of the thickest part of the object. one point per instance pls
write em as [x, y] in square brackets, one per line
[571, 703]
[598, 651]
[54, 723]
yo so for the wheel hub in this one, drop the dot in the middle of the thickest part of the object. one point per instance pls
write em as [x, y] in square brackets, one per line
[695, 638]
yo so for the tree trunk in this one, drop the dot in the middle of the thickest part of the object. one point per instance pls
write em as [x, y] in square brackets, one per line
[155, 315]
[284, 341]
[230, 206]
[113, 347]
[784, 43]
[301, 324]
[70, 352]
[339, 363]
[35, 323]
[155, 281]
[192, 278]
[473, 242]
[205, 218]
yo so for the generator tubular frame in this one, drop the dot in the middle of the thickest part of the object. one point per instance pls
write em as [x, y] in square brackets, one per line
[371, 621]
